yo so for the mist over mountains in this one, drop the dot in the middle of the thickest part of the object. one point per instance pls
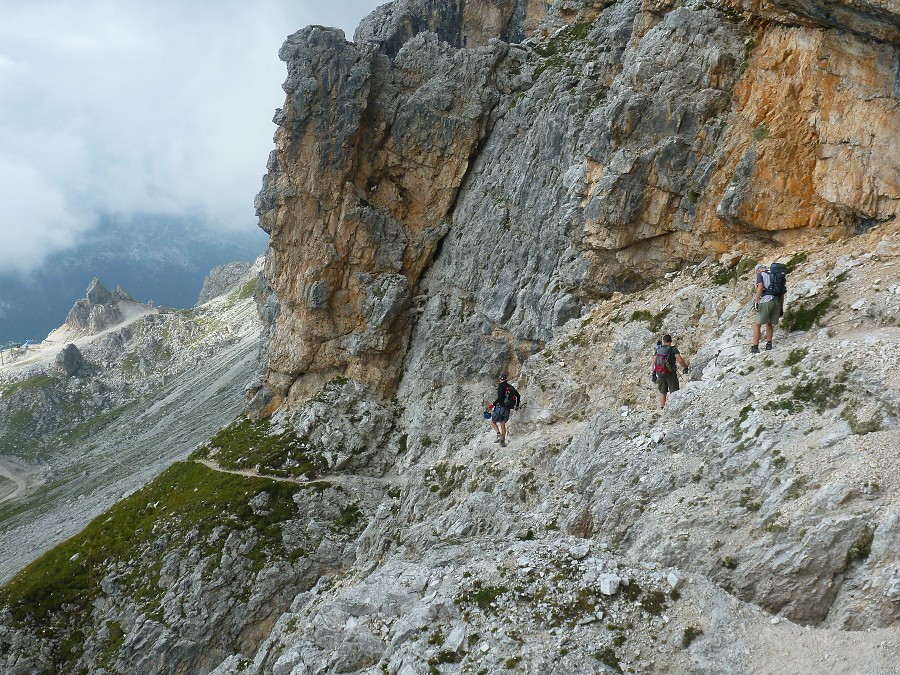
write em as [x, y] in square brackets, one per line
[156, 258]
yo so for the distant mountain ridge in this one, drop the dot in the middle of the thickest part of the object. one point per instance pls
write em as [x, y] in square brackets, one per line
[147, 384]
[161, 259]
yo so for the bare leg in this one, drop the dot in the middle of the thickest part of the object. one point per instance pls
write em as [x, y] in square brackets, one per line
[756, 332]
[503, 430]
[662, 401]
[769, 331]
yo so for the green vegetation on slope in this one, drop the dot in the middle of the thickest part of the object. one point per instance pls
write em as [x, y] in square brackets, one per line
[188, 505]
[246, 445]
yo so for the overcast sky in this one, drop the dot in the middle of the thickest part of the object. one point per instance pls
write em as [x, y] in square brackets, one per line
[136, 106]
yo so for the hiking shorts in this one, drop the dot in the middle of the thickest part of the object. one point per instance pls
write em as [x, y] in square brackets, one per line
[500, 414]
[667, 383]
[768, 312]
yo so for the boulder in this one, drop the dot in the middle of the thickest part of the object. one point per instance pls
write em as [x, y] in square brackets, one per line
[70, 360]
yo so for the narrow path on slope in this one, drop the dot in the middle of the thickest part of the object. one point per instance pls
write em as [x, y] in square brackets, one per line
[17, 477]
[339, 479]
[18, 485]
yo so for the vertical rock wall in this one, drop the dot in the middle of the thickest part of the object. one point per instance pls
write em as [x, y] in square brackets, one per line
[617, 141]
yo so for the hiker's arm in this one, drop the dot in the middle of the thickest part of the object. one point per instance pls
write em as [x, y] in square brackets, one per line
[681, 360]
[760, 288]
[759, 292]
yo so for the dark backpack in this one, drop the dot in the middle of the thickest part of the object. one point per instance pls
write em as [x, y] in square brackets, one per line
[510, 397]
[777, 277]
[662, 360]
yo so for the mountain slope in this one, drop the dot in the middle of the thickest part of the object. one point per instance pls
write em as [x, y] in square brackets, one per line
[155, 385]
[444, 206]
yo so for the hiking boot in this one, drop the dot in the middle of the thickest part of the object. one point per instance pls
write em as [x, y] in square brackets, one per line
[769, 346]
[502, 442]
[499, 439]
[754, 349]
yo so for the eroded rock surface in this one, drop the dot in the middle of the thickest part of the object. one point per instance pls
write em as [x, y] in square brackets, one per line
[613, 142]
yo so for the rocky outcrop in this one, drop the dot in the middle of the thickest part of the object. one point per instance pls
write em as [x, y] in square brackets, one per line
[616, 141]
[222, 279]
[878, 19]
[444, 204]
[69, 360]
[370, 153]
[98, 310]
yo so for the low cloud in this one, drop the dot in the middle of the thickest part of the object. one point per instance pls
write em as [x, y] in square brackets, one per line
[134, 107]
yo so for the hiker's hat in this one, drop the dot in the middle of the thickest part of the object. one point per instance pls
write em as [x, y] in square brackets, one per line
[759, 266]
[503, 376]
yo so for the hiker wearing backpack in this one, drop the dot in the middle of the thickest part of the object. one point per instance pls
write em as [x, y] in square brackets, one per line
[507, 399]
[768, 302]
[664, 369]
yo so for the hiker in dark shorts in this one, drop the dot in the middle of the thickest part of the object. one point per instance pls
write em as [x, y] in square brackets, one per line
[664, 372]
[507, 399]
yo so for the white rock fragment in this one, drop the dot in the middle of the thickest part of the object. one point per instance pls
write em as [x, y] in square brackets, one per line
[858, 305]
[887, 248]
[580, 551]
[675, 579]
[455, 640]
[892, 590]
[609, 584]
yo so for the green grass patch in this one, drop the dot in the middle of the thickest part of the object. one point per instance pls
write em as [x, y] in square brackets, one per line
[690, 634]
[654, 321]
[247, 289]
[859, 426]
[822, 394]
[608, 657]
[482, 596]
[554, 52]
[31, 384]
[796, 356]
[349, 518]
[54, 595]
[748, 502]
[654, 602]
[796, 260]
[862, 547]
[244, 444]
[802, 316]
[727, 275]
[445, 479]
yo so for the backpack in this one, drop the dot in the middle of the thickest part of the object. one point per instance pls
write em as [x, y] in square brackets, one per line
[777, 280]
[662, 361]
[510, 395]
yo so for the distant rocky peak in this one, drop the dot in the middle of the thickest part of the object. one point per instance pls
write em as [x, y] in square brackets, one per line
[97, 294]
[99, 309]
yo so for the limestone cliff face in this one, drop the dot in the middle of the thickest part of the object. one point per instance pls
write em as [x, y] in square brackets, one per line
[552, 158]
[370, 153]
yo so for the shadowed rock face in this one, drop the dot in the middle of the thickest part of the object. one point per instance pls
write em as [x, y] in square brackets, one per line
[70, 360]
[618, 141]
[878, 19]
